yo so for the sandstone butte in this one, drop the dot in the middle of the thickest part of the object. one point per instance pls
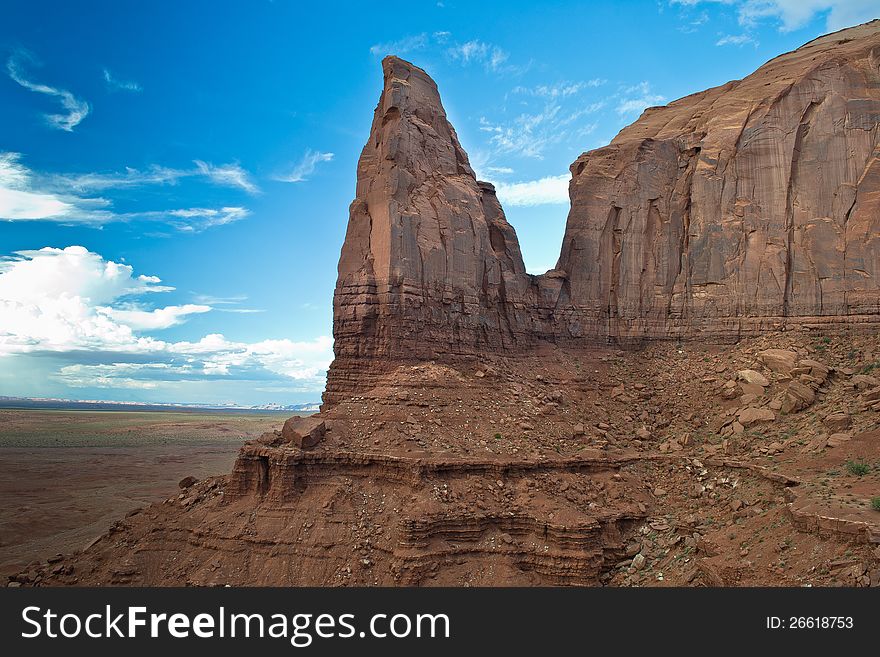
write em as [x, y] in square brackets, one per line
[482, 425]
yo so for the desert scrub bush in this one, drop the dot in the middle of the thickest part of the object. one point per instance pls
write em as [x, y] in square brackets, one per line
[858, 468]
[497, 436]
[875, 503]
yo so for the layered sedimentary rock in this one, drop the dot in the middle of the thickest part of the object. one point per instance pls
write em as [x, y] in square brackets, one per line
[751, 206]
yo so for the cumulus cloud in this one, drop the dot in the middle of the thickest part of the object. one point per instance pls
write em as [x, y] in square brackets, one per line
[75, 109]
[115, 84]
[545, 191]
[75, 304]
[306, 166]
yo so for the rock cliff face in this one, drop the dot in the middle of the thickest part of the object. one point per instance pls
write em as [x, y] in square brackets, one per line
[751, 206]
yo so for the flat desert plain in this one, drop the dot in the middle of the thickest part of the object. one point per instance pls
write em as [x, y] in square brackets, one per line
[66, 476]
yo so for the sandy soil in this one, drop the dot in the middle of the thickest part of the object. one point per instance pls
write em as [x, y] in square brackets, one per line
[66, 476]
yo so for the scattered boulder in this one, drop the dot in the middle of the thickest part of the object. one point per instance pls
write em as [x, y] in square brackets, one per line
[754, 377]
[187, 482]
[304, 432]
[271, 439]
[751, 389]
[838, 439]
[863, 382]
[797, 397]
[751, 416]
[816, 370]
[781, 361]
[837, 422]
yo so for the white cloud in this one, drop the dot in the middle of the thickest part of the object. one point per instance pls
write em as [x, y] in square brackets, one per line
[549, 190]
[114, 83]
[17, 201]
[225, 175]
[478, 52]
[559, 89]
[794, 14]
[26, 196]
[637, 98]
[75, 303]
[530, 134]
[736, 40]
[306, 166]
[404, 45]
[151, 320]
[76, 108]
[199, 219]
[228, 175]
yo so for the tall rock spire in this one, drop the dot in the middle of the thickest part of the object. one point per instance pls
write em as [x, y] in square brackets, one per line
[429, 265]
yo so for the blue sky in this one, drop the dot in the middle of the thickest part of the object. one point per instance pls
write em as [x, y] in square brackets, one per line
[175, 177]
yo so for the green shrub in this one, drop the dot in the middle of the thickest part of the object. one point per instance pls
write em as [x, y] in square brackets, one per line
[875, 503]
[497, 436]
[858, 468]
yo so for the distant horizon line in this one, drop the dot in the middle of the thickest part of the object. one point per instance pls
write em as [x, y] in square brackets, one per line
[206, 405]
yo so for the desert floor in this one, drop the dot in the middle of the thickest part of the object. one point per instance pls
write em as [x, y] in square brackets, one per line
[65, 476]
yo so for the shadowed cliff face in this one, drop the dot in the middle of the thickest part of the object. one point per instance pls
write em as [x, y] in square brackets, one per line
[751, 206]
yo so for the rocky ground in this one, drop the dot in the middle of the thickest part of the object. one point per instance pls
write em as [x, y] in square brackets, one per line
[678, 465]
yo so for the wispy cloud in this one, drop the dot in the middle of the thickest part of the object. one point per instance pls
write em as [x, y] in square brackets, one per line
[76, 109]
[401, 46]
[559, 89]
[794, 14]
[305, 167]
[18, 201]
[736, 40]
[195, 220]
[475, 51]
[227, 175]
[115, 84]
[491, 57]
[530, 134]
[26, 197]
[637, 98]
[550, 190]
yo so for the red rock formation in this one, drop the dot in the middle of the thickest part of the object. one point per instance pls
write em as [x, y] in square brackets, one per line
[751, 206]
